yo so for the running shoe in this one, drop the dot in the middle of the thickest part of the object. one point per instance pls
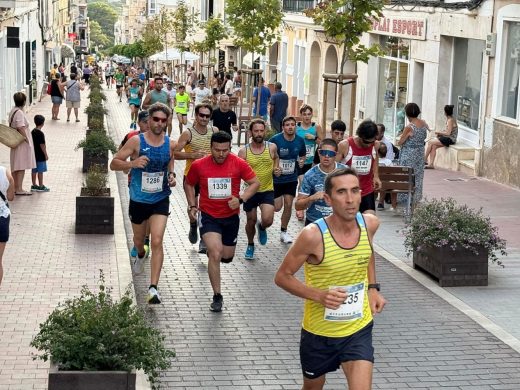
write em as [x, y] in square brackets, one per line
[216, 305]
[43, 189]
[137, 264]
[262, 234]
[285, 238]
[193, 234]
[146, 251]
[380, 206]
[250, 252]
[133, 252]
[153, 296]
[35, 188]
[202, 248]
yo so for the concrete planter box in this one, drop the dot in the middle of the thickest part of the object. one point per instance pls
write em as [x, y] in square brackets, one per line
[90, 380]
[89, 160]
[94, 214]
[453, 268]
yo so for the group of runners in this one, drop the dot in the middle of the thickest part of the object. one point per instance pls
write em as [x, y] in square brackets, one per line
[340, 290]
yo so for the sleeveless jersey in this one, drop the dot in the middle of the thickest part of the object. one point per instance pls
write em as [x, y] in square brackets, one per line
[150, 184]
[262, 165]
[133, 97]
[310, 144]
[362, 160]
[183, 102]
[158, 97]
[340, 267]
[198, 142]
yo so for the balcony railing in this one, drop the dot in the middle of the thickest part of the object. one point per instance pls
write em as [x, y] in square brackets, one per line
[297, 5]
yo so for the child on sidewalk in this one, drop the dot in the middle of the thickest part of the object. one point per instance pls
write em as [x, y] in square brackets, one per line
[385, 162]
[40, 152]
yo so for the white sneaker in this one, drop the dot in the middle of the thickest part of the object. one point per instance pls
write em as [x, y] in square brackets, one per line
[393, 210]
[285, 238]
[137, 264]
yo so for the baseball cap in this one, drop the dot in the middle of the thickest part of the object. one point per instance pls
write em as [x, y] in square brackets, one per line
[143, 116]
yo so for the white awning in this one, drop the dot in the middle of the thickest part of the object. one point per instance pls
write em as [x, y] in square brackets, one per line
[67, 51]
[248, 59]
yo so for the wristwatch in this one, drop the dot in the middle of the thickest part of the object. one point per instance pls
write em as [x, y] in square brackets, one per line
[240, 201]
[377, 286]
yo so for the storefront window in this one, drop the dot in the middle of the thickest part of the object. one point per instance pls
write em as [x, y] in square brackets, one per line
[467, 77]
[393, 85]
[511, 57]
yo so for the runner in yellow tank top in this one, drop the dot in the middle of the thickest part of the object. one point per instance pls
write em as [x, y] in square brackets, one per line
[195, 143]
[340, 289]
[263, 158]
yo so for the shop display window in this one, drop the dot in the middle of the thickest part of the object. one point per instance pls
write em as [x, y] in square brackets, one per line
[511, 60]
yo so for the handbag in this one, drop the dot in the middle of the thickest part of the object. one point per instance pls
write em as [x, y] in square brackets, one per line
[9, 136]
[49, 88]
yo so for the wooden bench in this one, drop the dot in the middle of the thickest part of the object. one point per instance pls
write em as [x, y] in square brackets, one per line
[397, 180]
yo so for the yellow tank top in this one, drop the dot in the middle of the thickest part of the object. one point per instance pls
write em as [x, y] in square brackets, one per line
[340, 267]
[198, 142]
[262, 165]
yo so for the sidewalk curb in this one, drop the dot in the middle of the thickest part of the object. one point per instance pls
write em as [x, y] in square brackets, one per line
[458, 304]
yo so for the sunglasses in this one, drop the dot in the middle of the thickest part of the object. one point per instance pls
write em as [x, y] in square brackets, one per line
[327, 153]
[156, 119]
[368, 141]
[204, 115]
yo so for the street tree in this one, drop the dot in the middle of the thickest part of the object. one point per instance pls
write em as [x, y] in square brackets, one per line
[215, 32]
[153, 36]
[105, 15]
[183, 25]
[255, 26]
[344, 22]
[97, 36]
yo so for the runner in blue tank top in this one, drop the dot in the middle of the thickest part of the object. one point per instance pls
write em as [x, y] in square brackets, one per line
[151, 176]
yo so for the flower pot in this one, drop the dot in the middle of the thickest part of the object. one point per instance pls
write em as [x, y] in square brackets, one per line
[94, 214]
[453, 268]
[89, 160]
[90, 380]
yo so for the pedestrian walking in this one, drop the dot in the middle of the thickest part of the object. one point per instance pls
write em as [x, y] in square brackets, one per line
[57, 94]
[341, 291]
[278, 107]
[261, 96]
[73, 96]
[6, 195]
[40, 153]
[22, 157]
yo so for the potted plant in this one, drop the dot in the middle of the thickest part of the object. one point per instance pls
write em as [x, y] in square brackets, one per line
[95, 149]
[96, 342]
[94, 205]
[453, 242]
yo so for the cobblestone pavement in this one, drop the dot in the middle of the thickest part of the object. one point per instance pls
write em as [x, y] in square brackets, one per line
[421, 341]
[44, 261]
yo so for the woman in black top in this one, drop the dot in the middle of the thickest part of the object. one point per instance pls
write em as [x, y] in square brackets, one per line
[56, 96]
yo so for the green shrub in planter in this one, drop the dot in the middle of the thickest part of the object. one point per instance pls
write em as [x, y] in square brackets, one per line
[96, 123]
[93, 332]
[444, 223]
[95, 109]
[96, 181]
[97, 143]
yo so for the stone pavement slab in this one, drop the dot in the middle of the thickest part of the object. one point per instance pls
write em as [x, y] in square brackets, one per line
[44, 261]
[421, 341]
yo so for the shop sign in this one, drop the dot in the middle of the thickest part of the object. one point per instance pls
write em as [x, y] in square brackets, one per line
[411, 28]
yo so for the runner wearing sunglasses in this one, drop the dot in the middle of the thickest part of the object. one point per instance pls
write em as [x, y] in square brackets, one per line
[360, 153]
[310, 196]
[152, 175]
[196, 143]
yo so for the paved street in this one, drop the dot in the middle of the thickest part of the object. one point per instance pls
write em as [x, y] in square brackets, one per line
[421, 340]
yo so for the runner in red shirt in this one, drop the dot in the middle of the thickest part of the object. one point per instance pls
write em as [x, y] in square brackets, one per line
[360, 153]
[218, 177]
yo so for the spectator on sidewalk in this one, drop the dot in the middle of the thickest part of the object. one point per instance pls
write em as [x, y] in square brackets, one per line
[73, 99]
[87, 72]
[22, 157]
[260, 107]
[40, 152]
[443, 138]
[278, 107]
[385, 162]
[6, 193]
[390, 148]
[57, 94]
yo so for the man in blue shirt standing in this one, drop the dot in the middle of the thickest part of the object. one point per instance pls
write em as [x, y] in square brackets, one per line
[278, 107]
[291, 150]
[262, 94]
[310, 197]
